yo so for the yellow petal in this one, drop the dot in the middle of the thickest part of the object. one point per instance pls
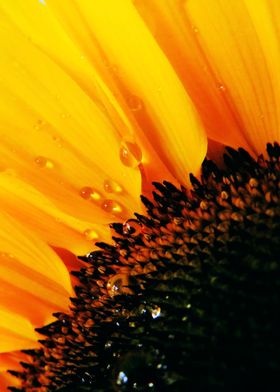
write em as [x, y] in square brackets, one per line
[59, 139]
[11, 360]
[242, 47]
[34, 282]
[227, 55]
[146, 80]
[82, 55]
[16, 333]
[43, 217]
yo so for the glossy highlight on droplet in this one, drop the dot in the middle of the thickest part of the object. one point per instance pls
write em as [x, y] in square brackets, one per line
[132, 227]
[88, 193]
[111, 186]
[222, 88]
[39, 124]
[111, 206]
[122, 378]
[57, 140]
[44, 162]
[130, 154]
[119, 285]
[91, 235]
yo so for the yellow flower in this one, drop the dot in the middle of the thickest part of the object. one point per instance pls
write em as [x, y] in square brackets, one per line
[97, 100]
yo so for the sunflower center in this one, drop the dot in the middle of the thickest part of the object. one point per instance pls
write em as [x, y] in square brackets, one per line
[187, 299]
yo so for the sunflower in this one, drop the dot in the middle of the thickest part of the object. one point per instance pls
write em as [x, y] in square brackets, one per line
[106, 101]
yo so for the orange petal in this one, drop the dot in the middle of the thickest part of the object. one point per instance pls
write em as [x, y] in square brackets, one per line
[34, 282]
[227, 55]
[16, 332]
[45, 218]
[146, 80]
[7, 380]
[10, 361]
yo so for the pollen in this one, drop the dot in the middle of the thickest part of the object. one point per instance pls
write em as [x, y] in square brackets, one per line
[186, 299]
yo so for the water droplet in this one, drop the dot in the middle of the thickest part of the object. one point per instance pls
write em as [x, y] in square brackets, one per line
[134, 103]
[108, 344]
[7, 255]
[132, 227]
[222, 88]
[39, 125]
[122, 378]
[90, 235]
[155, 312]
[195, 29]
[57, 140]
[88, 193]
[111, 206]
[118, 285]
[111, 186]
[86, 378]
[159, 366]
[44, 162]
[130, 154]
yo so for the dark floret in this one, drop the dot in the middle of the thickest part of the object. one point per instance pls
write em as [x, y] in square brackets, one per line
[188, 299]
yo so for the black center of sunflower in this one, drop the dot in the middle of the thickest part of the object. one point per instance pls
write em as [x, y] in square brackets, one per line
[186, 300]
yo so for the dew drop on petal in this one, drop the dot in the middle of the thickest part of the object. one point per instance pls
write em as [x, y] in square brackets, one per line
[44, 162]
[111, 186]
[195, 29]
[88, 193]
[39, 125]
[134, 103]
[222, 87]
[7, 255]
[90, 235]
[57, 140]
[118, 285]
[130, 154]
[111, 206]
[132, 227]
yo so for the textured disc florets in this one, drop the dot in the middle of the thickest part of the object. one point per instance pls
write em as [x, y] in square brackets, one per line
[186, 300]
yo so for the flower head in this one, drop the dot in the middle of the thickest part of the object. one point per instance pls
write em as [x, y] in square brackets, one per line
[98, 100]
